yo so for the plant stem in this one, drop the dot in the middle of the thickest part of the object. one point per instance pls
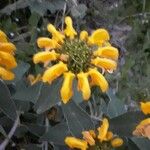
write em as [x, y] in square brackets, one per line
[11, 133]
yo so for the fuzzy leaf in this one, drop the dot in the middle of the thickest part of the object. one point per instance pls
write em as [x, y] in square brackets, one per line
[7, 105]
[49, 96]
[115, 106]
[124, 125]
[142, 143]
[56, 134]
[78, 120]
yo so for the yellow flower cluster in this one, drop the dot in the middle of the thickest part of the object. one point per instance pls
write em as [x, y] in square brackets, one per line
[89, 138]
[76, 57]
[143, 128]
[7, 60]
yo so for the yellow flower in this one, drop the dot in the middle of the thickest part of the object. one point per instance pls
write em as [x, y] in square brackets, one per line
[47, 43]
[104, 63]
[79, 55]
[103, 129]
[69, 31]
[66, 90]
[88, 138]
[109, 136]
[107, 52]
[3, 37]
[98, 79]
[143, 128]
[99, 37]
[32, 79]
[7, 47]
[7, 60]
[45, 56]
[54, 72]
[83, 35]
[116, 142]
[92, 132]
[56, 35]
[73, 142]
[6, 74]
[83, 85]
[145, 107]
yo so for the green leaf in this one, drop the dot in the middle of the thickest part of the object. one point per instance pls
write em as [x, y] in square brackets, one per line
[79, 11]
[20, 131]
[20, 70]
[36, 129]
[33, 147]
[42, 7]
[77, 119]
[2, 131]
[125, 124]
[29, 94]
[22, 106]
[7, 105]
[76, 94]
[49, 96]
[34, 19]
[142, 143]
[56, 134]
[115, 106]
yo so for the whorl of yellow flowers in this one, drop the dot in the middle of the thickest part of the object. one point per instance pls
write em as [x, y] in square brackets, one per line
[76, 58]
[105, 139]
[7, 60]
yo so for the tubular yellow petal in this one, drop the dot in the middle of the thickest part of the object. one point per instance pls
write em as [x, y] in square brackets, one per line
[117, 142]
[44, 42]
[109, 136]
[6, 74]
[3, 36]
[88, 137]
[56, 35]
[108, 52]
[83, 85]
[54, 72]
[144, 122]
[7, 60]
[7, 47]
[83, 35]
[103, 129]
[45, 56]
[104, 63]
[69, 31]
[73, 142]
[93, 134]
[143, 128]
[98, 79]
[145, 107]
[66, 90]
[100, 36]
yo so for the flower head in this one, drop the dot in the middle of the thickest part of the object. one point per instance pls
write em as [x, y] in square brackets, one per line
[76, 58]
[104, 140]
[7, 60]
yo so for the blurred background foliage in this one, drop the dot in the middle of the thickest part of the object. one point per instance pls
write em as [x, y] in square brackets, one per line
[128, 23]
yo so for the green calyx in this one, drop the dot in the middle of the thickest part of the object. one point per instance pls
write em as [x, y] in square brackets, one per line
[79, 55]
